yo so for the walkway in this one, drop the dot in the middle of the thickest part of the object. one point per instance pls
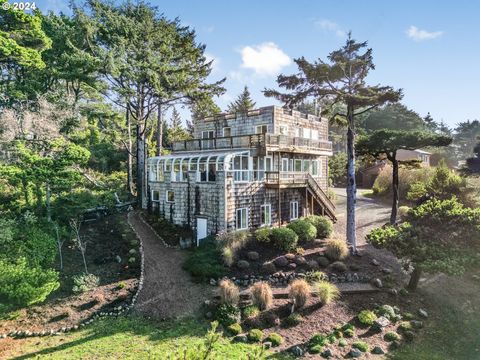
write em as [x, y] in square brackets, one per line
[168, 291]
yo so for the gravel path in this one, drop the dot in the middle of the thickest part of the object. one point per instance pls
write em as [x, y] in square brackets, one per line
[168, 291]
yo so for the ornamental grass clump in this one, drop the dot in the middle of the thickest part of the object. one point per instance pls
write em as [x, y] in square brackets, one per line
[262, 295]
[326, 292]
[275, 339]
[229, 292]
[299, 292]
[255, 335]
[336, 249]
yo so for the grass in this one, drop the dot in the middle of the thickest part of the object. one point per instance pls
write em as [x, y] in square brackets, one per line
[128, 338]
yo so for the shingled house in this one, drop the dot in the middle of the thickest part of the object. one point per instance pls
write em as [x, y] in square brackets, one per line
[241, 171]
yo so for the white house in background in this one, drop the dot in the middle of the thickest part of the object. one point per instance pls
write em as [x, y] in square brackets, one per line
[421, 155]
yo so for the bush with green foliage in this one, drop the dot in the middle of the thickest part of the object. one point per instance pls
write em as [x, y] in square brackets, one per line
[293, 319]
[360, 345]
[230, 243]
[391, 336]
[367, 317]
[227, 314]
[251, 311]
[304, 229]
[342, 343]
[405, 326]
[336, 249]
[284, 238]
[234, 329]
[85, 282]
[337, 169]
[263, 234]
[454, 248]
[255, 335]
[403, 211]
[326, 291]
[386, 311]
[275, 339]
[323, 225]
[315, 349]
[313, 276]
[23, 285]
[204, 262]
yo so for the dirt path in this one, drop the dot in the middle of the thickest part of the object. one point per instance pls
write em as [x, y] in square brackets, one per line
[168, 291]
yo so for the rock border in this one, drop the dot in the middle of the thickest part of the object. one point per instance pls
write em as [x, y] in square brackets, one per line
[117, 311]
[142, 219]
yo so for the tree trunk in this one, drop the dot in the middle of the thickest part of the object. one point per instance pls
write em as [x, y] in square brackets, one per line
[38, 194]
[159, 128]
[393, 215]
[141, 169]
[47, 202]
[130, 185]
[25, 192]
[351, 184]
[414, 278]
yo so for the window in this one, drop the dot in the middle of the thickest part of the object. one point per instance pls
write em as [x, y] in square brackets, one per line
[259, 168]
[268, 163]
[242, 219]
[170, 196]
[320, 169]
[261, 129]
[209, 134]
[155, 195]
[168, 165]
[266, 214]
[284, 165]
[298, 165]
[176, 170]
[297, 132]
[283, 130]
[153, 172]
[202, 170]
[306, 165]
[184, 168]
[306, 133]
[240, 168]
[293, 210]
[227, 131]
[314, 134]
[160, 171]
[314, 169]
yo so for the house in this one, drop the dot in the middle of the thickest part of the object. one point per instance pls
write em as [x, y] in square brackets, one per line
[264, 167]
[420, 155]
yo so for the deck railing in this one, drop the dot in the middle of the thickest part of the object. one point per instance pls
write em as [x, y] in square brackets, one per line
[252, 141]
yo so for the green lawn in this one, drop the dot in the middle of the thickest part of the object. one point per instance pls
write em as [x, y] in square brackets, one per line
[129, 338]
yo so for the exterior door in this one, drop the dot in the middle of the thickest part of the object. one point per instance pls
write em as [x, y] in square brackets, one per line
[201, 229]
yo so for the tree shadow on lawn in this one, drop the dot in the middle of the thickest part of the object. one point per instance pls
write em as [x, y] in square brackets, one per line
[132, 325]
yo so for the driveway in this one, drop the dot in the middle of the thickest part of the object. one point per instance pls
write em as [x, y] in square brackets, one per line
[370, 213]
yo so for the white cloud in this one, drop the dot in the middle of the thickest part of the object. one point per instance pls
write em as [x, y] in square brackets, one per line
[266, 59]
[421, 35]
[328, 25]
[208, 29]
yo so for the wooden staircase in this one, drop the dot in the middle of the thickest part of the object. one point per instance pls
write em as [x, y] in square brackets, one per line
[321, 197]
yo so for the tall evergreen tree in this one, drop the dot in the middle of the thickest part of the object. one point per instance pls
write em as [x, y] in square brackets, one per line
[243, 103]
[430, 123]
[343, 81]
[176, 131]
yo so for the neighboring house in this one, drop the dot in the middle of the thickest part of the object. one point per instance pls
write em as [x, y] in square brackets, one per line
[241, 171]
[421, 155]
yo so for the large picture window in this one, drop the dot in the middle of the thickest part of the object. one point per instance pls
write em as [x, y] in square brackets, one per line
[240, 168]
[266, 214]
[242, 219]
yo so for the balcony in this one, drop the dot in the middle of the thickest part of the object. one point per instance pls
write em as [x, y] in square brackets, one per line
[271, 142]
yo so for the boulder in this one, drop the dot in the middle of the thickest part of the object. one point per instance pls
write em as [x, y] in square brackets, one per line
[240, 339]
[423, 313]
[267, 344]
[375, 262]
[327, 353]
[243, 264]
[253, 255]
[269, 267]
[381, 322]
[281, 261]
[312, 264]
[339, 266]
[377, 350]
[290, 256]
[300, 260]
[297, 351]
[213, 282]
[292, 266]
[417, 324]
[355, 353]
[323, 261]
[377, 282]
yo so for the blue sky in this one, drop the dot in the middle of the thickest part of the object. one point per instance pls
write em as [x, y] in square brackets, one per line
[428, 48]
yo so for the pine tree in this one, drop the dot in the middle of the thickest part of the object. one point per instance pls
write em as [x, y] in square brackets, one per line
[243, 103]
[176, 131]
[430, 123]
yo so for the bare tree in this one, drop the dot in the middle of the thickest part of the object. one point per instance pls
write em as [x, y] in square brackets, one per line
[60, 243]
[80, 242]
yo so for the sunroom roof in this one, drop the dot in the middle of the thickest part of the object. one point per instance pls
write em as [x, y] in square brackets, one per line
[197, 155]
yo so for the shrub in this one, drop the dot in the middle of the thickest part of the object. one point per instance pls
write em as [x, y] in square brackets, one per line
[275, 339]
[360, 345]
[227, 314]
[367, 317]
[299, 292]
[229, 293]
[204, 261]
[234, 329]
[402, 211]
[336, 249]
[304, 229]
[314, 276]
[263, 235]
[251, 311]
[22, 285]
[230, 244]
[391, 336]
[227, 256]
[299, 251]
[318, 339]
[342, 343]
[293, 319]
[85, 282]
[405, 326]
[121, 285]
[323, 225]
[338, 266]
[349, 333]
[327, 292]
[284, 238]
[408, 316]
[386, 311]
[255, 335]
[315, 349]
[262, 295]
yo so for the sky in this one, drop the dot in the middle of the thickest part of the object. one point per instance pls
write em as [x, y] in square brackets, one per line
[430, 49]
